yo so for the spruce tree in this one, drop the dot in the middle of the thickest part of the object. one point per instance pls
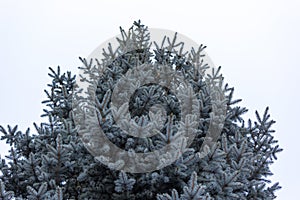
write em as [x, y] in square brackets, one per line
[55, 161]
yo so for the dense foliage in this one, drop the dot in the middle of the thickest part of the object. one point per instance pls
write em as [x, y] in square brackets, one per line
[53, 163]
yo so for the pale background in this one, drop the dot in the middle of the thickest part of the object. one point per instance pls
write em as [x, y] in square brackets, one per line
[255, 42]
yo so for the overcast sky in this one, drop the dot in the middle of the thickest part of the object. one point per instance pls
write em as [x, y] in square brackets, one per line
[256, 43]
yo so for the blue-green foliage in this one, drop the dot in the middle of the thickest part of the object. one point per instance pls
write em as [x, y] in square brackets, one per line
[192, 191]
[53, 163]
[5, 195]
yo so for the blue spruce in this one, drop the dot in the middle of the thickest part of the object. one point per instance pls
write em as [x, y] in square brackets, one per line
[53, 162]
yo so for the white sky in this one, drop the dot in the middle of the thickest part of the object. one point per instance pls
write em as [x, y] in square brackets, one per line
[255, 42]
